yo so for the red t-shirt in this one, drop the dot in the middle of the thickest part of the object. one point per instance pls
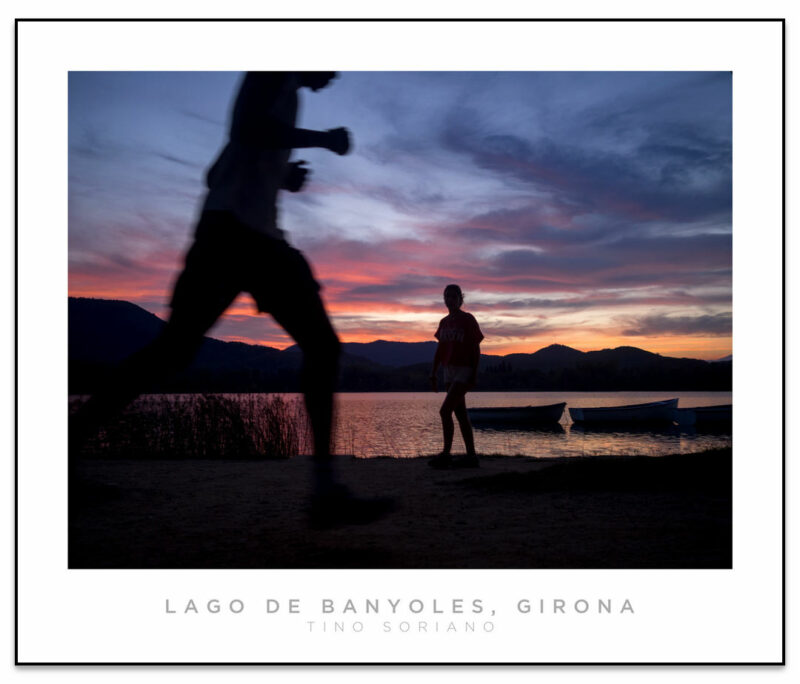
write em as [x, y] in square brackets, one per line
[459, 336]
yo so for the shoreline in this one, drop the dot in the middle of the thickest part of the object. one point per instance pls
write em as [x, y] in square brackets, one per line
[512, 512]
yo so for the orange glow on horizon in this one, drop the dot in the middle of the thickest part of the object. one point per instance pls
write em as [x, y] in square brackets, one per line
[418, 321]
[708, 349]
[121, 293]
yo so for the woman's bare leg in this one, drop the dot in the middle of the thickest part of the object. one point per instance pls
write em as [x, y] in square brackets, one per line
[447, 428]
[463, 423]
[454, 398]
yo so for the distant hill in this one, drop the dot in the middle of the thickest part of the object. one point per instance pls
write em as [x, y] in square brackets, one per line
[103, 332]
[110, 330]
[392, 354]
[554, 356]
[106, 331]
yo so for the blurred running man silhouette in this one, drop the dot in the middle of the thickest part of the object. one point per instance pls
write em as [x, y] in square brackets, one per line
[239, 247]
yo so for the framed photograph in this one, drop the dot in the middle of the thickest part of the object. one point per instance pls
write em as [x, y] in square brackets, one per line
[377, 342]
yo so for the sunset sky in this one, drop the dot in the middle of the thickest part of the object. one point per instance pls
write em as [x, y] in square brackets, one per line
[591, 209]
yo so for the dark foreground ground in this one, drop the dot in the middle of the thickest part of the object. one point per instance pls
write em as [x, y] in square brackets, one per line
[615, 512]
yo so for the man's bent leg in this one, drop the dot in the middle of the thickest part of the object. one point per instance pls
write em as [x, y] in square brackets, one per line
[312, 330]
[304, 317]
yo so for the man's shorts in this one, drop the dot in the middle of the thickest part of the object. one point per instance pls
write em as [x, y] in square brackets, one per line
[227, 258]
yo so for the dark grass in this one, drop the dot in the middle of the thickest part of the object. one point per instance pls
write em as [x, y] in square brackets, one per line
[204, 426]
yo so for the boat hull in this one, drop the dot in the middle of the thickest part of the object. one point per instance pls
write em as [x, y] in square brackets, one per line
[653, 412]
[704, 415]
[517, 415]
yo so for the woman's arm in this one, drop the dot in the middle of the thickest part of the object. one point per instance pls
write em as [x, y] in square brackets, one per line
[437, 358]
[475, 351]
[474, 360]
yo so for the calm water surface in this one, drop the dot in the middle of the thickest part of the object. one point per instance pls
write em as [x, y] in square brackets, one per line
[406, 424]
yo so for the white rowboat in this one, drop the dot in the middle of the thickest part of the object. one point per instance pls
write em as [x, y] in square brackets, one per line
[518, 415]
[703, 415]
[653, 412]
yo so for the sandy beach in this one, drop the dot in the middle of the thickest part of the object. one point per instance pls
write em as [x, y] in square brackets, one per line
[614, 512]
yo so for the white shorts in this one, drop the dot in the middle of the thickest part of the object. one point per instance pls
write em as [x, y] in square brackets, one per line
[457, 374]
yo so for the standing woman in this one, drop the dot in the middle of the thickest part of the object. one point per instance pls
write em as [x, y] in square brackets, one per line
[458, 353]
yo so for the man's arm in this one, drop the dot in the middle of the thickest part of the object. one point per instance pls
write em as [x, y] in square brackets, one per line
[275, 135]
[336, 139]
[296, 176]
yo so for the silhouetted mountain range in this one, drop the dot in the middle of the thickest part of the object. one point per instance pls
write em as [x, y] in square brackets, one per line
[103, 332]
[392, 354]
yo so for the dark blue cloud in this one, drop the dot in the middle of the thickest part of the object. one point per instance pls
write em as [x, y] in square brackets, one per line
[703, 326]
[634, 261]
[673, 176]
[400, 286]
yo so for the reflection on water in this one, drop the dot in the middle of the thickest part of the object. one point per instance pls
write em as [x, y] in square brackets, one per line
[407, 425]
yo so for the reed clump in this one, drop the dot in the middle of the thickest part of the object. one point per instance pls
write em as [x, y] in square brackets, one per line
[215, 426]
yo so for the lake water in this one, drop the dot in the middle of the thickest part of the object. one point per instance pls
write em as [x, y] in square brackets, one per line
[406, 424]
